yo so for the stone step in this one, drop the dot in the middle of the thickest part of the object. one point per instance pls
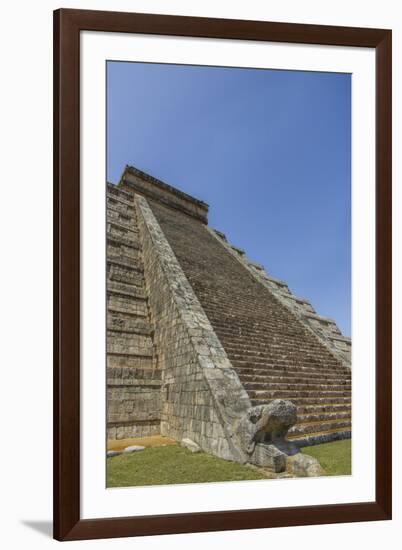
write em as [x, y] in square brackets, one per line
[126, 312]
[114, 204]
[294, 387]
[113, 190]
[245, 342]
[283, 356]
[121, 199]
[262, 367]
[339, 338]
[317, 417]
[124, 274]
[322, 320]
[136, 293]
[238, 322]
[235, 328]
[123, 219]
[128, 230]
[320, 426]
[138, 383]
[268, 329]
[306, 413]
[291, 364]
[118, 238]
[302, 401]
[271, 357]
[129, 265]
[257, 320]
[124, 259]
[128, 339]
[270, 344]
[127, 373]
[295, 393]
[127, 304]
[298, 299]
[136, 331]
[281, 377]
[121, 206]
[125, 289]
[260, 336]
[115, 248]
[292, 345]
[127, 349]
[120, 418]
[324, 408]
[126, 361]
[320, 437]
[128, 323]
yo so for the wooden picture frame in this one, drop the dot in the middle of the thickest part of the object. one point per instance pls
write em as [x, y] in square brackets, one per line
[67, 26]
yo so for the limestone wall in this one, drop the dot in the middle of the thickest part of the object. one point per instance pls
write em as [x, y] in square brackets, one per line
[202, 397]
[133, 399]
[133, 380]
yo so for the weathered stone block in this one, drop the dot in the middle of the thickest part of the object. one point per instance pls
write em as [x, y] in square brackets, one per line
[190, 445]
[268, 456]
[302, 465]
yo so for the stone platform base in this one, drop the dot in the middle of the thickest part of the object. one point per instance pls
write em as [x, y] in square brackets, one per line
[317, 439]
[150, 441]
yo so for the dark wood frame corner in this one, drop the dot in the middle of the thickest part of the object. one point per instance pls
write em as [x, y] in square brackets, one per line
[67, 26]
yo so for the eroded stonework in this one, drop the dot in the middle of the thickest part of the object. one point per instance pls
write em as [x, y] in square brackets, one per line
[203, 345]
[133, 381]
[202, 398]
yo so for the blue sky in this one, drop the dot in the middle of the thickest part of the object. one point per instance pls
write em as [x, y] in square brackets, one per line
[269, 151]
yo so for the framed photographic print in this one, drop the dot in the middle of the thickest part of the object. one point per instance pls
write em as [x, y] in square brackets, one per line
[222, 233]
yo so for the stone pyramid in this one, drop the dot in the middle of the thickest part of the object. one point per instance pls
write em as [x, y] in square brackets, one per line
[202, 343]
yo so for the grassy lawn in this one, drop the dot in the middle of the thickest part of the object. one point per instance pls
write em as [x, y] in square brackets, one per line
[334, 457]
[173, 464]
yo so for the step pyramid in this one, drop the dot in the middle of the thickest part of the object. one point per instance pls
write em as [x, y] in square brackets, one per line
[275, 343]
[273, 353]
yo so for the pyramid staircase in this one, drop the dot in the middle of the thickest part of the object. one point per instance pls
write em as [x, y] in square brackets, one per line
[274, 354]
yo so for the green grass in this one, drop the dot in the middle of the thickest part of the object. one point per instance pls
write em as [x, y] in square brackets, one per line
[173, 464]
[334, 457]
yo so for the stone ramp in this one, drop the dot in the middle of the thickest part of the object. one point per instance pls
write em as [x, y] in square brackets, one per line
[273, 353]
[133, 381]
